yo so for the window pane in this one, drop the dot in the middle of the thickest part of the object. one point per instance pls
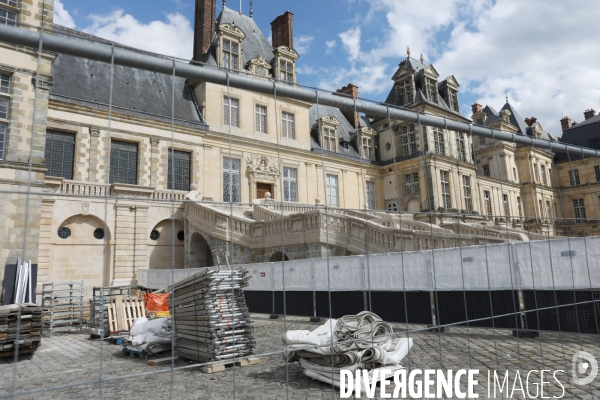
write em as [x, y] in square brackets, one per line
[59, 154]
[231, 180]
[180, 162]
[3, 108]
[123, 162]
[8, 17]
[3, 129]
[5, 83]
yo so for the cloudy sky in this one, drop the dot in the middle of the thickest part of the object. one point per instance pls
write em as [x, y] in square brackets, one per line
[544, 54]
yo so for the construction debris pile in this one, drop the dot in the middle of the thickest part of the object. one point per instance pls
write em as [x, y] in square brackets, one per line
[28, 325]
[362, 341]
[211, 319]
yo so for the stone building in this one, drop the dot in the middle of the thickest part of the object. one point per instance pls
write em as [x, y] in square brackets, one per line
[121, 180]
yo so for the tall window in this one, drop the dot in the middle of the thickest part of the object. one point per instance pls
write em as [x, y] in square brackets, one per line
[287, 125]
[574, 177]
[535, 172]
[123, 162]
[411, 183]
[579, 209]
[515, 173]
[453, 100]
[261, 119]
[506, 207]
[406, 141]
[180, 162]
[519, 206]
[329, 140]
[549, 176]
[404, 92]
[481, 139]
[59, 153]
[488, 204]
[438, 141]
[286, 71]
[231, 180]
[431, 90]
[548, 214]
[290, 184]
[332, 190]
[5, 91]
[368, 148]
[8, 17]
[467, 190]
[231, 54]
[445, 189]
[230, 111]
[371, 195]
[543, 173]
[460, 147]
[486, 170]
[597, 172]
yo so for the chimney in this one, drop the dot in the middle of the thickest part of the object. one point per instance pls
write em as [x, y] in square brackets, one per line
[282, 30]
[530, 121]
[565, 123]
[204, 26]
[476, 108]
[589, 113]
[350, 91]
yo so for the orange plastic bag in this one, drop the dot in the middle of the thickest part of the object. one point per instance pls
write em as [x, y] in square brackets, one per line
[156, 302]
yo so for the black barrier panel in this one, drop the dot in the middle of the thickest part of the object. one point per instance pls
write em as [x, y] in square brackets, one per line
[451, 308]
[390, 306]
[342, 303]
[260, 302]
[297, 303]
[575, 312]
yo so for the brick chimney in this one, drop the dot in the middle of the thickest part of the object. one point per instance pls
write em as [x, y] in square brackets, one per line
[282, 30]
[350, 91]
[530, 121]
[589, 113]
[565, 123]
[476, 108]
[204, 26]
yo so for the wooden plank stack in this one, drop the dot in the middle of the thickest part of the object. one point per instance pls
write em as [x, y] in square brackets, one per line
[211, 320]
[29, 325]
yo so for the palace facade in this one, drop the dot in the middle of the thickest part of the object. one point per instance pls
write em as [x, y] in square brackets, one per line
[116, 184]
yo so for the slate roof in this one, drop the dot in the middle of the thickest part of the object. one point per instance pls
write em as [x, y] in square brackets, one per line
[585, 133]
[345, 131]
[515, 118]
[135, 92]
[255, 44]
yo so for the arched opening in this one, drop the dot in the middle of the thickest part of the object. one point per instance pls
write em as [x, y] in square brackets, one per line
[414, 205]
[200, 254]
[279, 256]
[163, 242]
[81, 251]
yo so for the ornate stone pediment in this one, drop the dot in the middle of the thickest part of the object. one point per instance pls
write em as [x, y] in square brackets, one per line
[263, 167]
[286, 51]
[231, 30]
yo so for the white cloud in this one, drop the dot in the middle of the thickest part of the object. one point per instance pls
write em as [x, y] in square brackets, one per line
[62, 16]
[302, 44]
[351, 41]
[330, 45]
[173, 37]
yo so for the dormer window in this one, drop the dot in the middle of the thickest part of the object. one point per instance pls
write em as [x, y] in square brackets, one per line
[231, 55]
[367, 143]
[453, 100]
[285, 68]
[430, 87]
[230, 43]
[259, 67]
[329, 127]
[404, 92]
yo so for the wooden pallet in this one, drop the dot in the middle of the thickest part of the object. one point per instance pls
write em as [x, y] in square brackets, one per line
[219, 366]
[161, 361]
[123, 313]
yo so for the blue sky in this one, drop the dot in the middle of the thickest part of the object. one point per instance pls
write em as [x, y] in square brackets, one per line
[545, 55]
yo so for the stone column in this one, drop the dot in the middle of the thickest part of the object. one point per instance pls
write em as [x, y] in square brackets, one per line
[154, 161]
[94, 155]
[45, 249]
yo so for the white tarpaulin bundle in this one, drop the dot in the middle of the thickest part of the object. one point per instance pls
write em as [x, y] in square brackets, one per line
[363, 341]
[561, 264]
[152, 336]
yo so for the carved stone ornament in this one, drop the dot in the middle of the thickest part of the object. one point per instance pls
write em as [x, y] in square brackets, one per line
[94, 132]
[154, 142]
[43, 83]
[262, 167]
[85, 207]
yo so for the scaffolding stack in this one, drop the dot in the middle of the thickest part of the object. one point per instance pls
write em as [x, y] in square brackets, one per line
[102, 297]
[212, 322]
[62, 303]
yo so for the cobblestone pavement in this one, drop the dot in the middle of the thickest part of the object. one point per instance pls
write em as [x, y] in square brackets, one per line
[66, 359]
